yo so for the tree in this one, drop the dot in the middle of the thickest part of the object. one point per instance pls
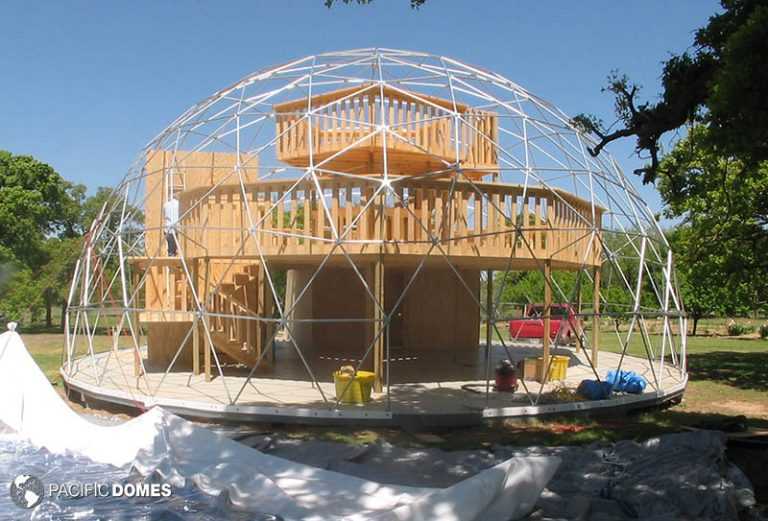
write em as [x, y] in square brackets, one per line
[36, 206]
[722, 241]
[56, 274]
[722, 84]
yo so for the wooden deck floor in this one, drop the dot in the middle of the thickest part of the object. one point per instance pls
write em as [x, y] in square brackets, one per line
[418, 385]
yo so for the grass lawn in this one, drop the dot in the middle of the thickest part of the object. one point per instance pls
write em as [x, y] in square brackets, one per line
[47, 348]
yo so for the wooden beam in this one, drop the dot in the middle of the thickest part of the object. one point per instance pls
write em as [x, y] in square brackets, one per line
[378, 325]
[195, 347]
[596, 316]
[489, 315]
[544, 376]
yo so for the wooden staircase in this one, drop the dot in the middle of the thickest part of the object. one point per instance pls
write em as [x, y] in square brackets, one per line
[245, 296]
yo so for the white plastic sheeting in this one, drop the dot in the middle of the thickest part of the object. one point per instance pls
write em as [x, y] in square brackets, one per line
[158, 441]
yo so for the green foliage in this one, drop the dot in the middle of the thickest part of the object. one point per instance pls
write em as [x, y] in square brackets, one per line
[736, 329]
[21, 292]
[722, 241]
[763, 330]
[42, 220]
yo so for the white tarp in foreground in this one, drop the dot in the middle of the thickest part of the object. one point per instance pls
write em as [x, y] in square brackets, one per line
[158, 441]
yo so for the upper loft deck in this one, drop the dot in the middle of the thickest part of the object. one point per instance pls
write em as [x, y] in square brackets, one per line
[360, 129]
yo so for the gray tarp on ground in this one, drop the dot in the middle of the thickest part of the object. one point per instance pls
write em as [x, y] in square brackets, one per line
[675, 476]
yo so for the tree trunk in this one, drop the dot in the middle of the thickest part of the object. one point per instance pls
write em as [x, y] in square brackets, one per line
[695, 324]
[48, 313]
[63, 313]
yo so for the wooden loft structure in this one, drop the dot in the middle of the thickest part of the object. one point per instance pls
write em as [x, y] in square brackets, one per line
[422, 135]
[232, 222]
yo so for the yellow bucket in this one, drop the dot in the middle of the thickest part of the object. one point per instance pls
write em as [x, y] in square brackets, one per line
[359, 391]
[558, 370]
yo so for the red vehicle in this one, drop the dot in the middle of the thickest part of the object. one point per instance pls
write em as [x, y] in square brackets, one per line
[563, 323]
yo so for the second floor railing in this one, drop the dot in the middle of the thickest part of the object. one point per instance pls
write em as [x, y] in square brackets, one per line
[466, 219]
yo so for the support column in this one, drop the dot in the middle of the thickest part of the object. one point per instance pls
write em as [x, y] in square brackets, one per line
[544, 374]
[489, 311]
[195, 346]
[596, 316]
[207, 356]
[378, 325]
[195, 320]
[490, 315]
[577, 309]
[265, 310]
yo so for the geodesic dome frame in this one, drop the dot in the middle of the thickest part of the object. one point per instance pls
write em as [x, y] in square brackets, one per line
[367, 160]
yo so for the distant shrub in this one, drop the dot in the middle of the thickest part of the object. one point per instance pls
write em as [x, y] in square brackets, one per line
[736, 329]
[764, 330]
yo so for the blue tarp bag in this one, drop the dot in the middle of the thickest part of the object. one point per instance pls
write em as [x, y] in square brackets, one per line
[594, 390]
[626, 381]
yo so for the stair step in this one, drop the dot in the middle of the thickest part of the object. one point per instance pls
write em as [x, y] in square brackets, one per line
[242, 279]
[234, 349]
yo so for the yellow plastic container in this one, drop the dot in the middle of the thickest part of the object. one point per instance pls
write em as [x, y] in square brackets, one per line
[359, 391]
[558, 370]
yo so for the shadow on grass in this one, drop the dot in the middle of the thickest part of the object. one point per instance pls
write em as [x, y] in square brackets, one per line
[741, 370]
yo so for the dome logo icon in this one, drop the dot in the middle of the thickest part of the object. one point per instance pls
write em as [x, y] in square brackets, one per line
[26, 491]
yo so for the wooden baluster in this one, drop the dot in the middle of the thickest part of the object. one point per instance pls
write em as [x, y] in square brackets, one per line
[348, 212]
[267, 224]
[483, 145]
[405, 118]
[480, 240]
[320, 211]
[427, 215]
[361, 118]
[526, 223]
[417, 204]
[335, 208]
[462, 202]
[446, 124]
[515, 220]
[397, 217]
[292, 208]
[362, 228]
[307, 228]
[466, 141]
[493, 223]
[280, 220]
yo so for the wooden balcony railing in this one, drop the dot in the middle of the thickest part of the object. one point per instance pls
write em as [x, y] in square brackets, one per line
[474, 220]
[424, 134]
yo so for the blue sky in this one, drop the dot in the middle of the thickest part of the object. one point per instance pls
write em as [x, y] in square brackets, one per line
[85, 84]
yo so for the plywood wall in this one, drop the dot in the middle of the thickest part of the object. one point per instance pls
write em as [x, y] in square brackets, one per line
[437, 313]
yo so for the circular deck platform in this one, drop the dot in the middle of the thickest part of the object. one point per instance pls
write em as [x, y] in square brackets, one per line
[287, 393]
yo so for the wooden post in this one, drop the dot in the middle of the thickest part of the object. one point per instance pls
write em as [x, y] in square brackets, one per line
[544, 375]
[207, 352]
[578, 312]
[378, 333]
[489, 317]
[596, 316]
[489, 309]
[195, 346]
